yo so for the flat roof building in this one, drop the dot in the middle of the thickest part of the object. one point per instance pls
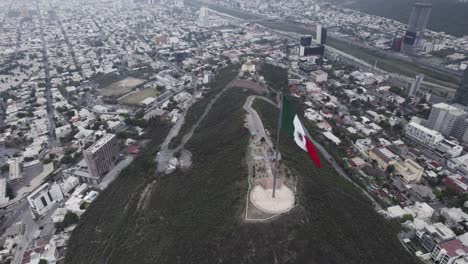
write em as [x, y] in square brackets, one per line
[423, 134]
[44, 197]
[14, 175]
[101, 156]
[3, 192]
[383, 157]
[445, 118]
[409, 170]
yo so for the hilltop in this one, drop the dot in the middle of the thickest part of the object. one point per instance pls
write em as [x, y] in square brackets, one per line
[196, 215]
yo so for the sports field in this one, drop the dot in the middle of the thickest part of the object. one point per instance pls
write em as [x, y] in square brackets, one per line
[139, 96]
[121, 87]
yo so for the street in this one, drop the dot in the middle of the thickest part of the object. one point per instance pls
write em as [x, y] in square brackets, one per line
[339, 169]
[50, 106]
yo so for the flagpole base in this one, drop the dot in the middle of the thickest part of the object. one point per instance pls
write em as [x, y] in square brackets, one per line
[263, 200]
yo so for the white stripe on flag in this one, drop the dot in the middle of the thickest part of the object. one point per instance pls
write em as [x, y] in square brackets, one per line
[299, 133]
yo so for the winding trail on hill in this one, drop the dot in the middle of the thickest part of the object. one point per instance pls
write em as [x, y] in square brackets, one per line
[166, 154]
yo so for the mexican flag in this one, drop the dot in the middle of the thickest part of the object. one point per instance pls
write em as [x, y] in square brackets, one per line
[291, 125]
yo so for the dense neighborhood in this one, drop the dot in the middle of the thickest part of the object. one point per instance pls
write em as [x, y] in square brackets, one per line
[81, 84]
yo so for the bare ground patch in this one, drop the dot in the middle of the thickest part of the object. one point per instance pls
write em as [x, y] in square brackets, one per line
[121, 87]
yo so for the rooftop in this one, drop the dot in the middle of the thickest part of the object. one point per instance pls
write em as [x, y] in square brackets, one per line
[3, 198]
[425, 129]
[454, 247]
[447, 107]
[14, 170]
[101, 142]
[385, 154]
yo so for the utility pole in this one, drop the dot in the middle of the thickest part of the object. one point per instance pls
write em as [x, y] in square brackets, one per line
[277, 144]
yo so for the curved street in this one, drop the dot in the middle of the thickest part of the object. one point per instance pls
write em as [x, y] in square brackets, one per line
[337, 167]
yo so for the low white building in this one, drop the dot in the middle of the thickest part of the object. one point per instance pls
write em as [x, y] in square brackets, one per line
[454, 215]
[332, 138]
[63, 131]
[450, 148]
[423, 134]
[69, 184]
[422, 211]
[313, 115]
[44, 198]
[147, 101]
[395, 212]
[364, 145]
[207, 77]
[319, 76]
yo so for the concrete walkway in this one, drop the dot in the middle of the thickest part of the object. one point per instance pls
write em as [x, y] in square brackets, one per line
[112, 175]
[260, 197]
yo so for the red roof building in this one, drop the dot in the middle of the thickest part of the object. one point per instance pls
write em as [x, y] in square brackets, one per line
[133, 150]
[446, 252]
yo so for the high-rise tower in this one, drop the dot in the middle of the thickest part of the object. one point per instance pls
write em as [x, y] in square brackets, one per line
[416, 84]
[204, 18]
[416, 25]
[321, 35]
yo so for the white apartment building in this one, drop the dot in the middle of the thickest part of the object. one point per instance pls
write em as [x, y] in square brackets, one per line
[444, 118]
[423, 134]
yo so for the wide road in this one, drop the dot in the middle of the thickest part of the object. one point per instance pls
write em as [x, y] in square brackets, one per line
[50, 106]
[70, 46]
[240, 16]
[12, 214]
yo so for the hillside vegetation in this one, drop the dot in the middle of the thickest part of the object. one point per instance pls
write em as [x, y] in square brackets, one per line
[222, 79]
[340, 221]
[195, 216]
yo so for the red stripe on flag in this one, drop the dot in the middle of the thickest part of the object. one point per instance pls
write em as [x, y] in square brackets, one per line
[312, 152]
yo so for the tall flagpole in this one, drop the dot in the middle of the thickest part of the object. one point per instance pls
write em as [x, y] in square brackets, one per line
[277, 144]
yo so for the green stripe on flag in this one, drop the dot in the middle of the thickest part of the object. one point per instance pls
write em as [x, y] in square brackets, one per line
[287, 118]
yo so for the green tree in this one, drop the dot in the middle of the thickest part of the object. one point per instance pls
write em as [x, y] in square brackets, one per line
[449, 192]
[70, 219]
[390, 169]
[407, 217]
[43, 261]
[4, 168]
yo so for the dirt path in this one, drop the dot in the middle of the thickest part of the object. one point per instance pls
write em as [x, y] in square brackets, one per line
[165, 154]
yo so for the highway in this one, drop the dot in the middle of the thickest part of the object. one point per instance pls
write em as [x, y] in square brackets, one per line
[295, 36]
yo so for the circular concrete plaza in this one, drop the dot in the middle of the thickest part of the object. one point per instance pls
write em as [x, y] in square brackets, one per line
[263, 200]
